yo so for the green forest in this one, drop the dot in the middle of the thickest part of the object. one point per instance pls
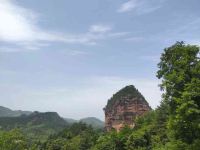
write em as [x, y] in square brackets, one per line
[174, 125]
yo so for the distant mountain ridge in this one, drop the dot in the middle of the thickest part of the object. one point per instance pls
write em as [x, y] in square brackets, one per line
[70, 120]
[6, 112]
[93, 121]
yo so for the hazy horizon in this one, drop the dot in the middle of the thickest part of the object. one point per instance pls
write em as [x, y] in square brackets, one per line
[72, 56]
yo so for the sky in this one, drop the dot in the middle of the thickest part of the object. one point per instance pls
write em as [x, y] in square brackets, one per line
[71, 56]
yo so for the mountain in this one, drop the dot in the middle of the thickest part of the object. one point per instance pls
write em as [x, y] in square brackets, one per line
[123, 107]
[6, 112]
[36, 125]
[40, 125]
[70, 120]
[94, 122]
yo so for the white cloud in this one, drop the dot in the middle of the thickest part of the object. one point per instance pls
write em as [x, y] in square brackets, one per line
[15, 25]
[77, 53]
[128, 6]
[99, 28]
[140, 6]
[19, 27]
[19, 24]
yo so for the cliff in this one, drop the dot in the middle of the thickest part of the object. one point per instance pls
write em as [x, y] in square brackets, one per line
[124, 107]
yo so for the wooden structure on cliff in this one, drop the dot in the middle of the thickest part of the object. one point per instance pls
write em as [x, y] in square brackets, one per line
[124, 107]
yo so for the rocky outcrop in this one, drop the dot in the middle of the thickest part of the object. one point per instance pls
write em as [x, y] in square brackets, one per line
[124, 107]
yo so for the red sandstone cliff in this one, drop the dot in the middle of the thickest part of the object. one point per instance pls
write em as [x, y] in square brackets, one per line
[124, 107]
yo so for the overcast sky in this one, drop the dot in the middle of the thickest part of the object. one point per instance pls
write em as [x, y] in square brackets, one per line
[71, 56]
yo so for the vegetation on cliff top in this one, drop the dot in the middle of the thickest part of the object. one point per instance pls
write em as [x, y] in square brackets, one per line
[128, 91]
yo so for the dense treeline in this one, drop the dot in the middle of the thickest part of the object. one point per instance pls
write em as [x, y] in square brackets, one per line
[174, 125]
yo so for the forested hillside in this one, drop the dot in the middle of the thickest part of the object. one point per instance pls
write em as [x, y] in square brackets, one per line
[37, 126]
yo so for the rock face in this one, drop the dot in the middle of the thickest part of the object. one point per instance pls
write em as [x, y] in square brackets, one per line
[124, 107]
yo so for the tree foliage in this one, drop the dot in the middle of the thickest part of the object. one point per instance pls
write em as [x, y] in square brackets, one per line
[179, 70]
[12, 140]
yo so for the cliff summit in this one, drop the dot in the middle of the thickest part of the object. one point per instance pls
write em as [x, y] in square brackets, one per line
[123, 107]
